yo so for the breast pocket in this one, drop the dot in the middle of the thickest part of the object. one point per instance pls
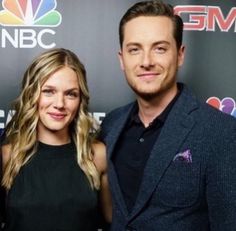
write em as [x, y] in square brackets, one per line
[180, 185]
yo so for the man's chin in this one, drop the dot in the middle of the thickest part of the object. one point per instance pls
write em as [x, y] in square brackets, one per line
[147, 95]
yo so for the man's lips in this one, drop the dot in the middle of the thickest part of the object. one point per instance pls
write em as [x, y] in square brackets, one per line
[148, 75]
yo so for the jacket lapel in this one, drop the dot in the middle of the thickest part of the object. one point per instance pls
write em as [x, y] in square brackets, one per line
[177, 126]
[111, 140]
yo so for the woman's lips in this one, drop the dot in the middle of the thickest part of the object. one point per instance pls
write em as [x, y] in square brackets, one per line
[57, 116]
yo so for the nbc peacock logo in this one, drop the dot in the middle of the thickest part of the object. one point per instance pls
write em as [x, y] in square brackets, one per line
[37, 13]
[226, 105]
[21, 21]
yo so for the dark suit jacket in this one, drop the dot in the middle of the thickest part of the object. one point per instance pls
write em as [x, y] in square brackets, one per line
[183, 194]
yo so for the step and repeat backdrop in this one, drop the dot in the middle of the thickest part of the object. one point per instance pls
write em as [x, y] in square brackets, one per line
[90, 29]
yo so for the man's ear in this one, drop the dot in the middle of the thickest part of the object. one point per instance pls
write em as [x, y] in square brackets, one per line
[120, 56]
[181, 55]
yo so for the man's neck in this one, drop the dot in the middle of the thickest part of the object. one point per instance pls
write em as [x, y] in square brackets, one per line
[150, 108]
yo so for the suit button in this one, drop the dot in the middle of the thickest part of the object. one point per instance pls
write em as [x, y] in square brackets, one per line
[129, 228]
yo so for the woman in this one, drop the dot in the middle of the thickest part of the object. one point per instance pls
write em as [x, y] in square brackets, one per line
[52, 165]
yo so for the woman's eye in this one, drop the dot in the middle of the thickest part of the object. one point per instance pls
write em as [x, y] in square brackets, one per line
[73, 94]
[47, 92]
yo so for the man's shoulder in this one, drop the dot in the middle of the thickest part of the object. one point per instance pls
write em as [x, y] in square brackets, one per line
[203, 111]
[214, 114]
[214, 122]
[120, 111]
[113, 119]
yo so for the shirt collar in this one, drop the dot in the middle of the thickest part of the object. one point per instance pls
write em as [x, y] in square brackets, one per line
[134, 117]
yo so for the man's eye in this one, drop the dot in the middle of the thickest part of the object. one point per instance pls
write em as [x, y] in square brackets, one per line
[133, 51]
[160, 50]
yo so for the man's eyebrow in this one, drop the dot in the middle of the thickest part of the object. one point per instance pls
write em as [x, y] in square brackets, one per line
[133, 44]
[154, 44]
[161, 42]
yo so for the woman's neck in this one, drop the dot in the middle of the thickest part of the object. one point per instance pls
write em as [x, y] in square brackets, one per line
[53, 138]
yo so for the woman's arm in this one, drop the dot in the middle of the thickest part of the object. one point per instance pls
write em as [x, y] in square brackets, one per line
[4, 157]
[5, 154]
[101, 164]
[1, 193]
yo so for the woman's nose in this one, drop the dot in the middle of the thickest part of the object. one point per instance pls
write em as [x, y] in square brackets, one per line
[59, 101]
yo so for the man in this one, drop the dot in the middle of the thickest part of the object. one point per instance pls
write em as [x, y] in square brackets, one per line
[171, 158]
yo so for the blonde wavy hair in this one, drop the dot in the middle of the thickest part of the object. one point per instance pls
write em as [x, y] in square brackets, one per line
[21, 133]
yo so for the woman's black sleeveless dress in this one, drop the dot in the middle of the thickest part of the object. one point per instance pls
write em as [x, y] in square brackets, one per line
[51, 193]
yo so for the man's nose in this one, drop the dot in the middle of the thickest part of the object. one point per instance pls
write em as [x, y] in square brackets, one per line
[147, 60]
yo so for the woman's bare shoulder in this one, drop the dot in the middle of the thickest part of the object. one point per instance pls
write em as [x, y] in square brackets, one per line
[5, 152]
[99, 150]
